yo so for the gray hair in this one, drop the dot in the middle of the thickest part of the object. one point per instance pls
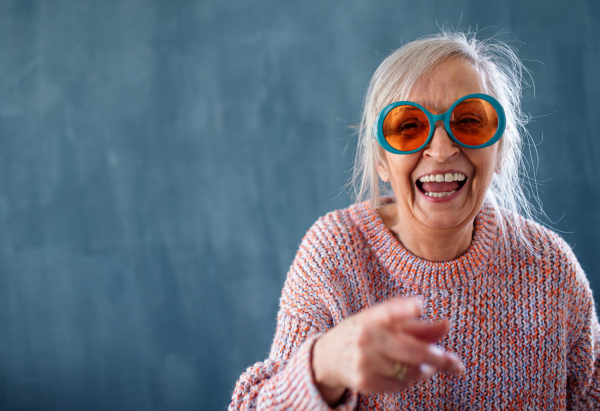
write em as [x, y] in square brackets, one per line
[502, 77]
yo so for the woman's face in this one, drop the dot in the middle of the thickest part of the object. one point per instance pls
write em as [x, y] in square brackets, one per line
[436, 205]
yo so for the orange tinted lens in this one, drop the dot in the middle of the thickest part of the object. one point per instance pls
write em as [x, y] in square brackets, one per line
[406, 128]
[474, 122]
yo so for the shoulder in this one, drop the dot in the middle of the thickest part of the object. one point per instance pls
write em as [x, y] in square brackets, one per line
[337, 242]
[325, 267]
[544, 250]
[547, 263]
[344, 228]
[352, 217]
[538, 240]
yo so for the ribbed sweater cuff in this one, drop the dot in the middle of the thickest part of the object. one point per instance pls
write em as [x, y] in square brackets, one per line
[295, 386]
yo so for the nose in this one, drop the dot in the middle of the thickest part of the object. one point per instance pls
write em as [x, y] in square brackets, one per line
[441, 147]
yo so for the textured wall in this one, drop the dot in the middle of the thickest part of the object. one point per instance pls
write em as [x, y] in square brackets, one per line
[160, 162]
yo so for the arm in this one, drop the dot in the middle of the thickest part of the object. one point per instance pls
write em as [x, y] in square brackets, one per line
[583, 361]
[330, 341]
[357, 355]
[285, 380]
[583, 356]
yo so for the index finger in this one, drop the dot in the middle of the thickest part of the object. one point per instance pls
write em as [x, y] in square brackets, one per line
[426, 331]
[390, 312]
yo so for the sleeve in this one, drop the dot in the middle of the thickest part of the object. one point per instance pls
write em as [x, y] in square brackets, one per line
[285, 380]
[583, 359]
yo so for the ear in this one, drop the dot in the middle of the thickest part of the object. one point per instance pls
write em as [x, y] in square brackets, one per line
[498, 167]
[382, 170]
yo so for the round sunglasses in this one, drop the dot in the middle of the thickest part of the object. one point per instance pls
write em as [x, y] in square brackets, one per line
[473, 121]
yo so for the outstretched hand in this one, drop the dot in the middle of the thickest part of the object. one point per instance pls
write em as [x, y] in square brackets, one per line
[382, 349]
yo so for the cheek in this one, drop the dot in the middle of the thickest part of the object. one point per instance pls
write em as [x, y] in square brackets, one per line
[487, 165]
[400, 167]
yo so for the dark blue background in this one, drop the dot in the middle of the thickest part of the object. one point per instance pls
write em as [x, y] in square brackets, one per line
[161, 160]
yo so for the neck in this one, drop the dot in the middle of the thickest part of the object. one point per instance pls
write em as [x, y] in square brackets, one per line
[428, 243]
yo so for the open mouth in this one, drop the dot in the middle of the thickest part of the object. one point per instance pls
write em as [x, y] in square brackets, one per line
[441, 185]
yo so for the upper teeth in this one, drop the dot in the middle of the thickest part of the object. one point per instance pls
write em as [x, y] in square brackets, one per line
[440, 178]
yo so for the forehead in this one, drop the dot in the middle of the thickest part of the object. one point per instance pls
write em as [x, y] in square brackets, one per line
[446, 83]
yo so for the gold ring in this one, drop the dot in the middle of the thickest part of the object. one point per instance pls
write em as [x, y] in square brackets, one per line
[400, 371]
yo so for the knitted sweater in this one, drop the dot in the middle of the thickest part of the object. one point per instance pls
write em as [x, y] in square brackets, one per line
[525, 327]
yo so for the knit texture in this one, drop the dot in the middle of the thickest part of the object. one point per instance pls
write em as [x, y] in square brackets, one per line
[525, 327]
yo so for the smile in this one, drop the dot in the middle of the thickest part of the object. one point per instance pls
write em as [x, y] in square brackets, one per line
[441, 185]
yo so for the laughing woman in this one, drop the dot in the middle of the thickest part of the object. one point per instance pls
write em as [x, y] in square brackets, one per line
[443, 294]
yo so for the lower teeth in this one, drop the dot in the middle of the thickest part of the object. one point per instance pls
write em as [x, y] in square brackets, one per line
[444, 194]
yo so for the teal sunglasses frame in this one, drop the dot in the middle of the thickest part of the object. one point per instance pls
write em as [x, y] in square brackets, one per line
[434, 118]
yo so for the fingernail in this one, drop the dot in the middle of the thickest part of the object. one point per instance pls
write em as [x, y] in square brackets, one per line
[458, 365]
[427, 370]
[435, 350]
[458, 368]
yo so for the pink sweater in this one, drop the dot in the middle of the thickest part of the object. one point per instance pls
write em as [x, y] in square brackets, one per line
[525, 328]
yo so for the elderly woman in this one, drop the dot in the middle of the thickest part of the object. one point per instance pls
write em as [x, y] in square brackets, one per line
[440, 296]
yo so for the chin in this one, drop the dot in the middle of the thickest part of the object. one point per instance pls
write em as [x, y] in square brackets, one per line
[443, 224]
[445, 220]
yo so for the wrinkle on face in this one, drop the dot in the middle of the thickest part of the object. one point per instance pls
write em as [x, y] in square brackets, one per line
[414, 214]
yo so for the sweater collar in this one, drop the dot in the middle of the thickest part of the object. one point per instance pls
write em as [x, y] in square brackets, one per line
[408, 268]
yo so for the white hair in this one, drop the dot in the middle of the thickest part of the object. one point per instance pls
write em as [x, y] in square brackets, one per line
[501, 74]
